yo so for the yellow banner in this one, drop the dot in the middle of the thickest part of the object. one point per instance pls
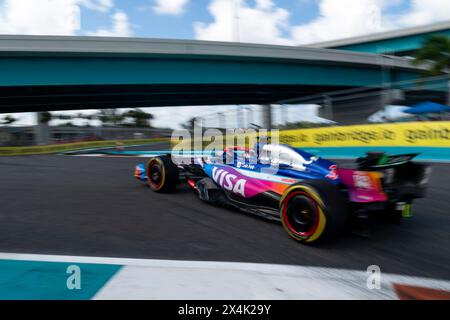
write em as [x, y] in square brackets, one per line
[408, 134]
[14, 151]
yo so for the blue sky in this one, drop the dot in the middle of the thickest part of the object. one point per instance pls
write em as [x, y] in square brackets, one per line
[290, 22]
[148, 23]
[284, 22]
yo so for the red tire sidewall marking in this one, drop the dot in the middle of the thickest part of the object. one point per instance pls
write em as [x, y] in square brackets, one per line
[286, 220]
[150, 165]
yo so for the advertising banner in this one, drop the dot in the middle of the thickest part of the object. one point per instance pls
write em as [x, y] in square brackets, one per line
[410, 134]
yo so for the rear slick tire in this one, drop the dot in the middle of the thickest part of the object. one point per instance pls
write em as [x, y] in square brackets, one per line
[313, 211]
[162, 174]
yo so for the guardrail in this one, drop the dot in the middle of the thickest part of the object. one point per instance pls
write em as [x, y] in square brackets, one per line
[56, 148]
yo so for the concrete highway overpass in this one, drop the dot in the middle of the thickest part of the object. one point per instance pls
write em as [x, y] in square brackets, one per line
[61, 73]
[404, 42]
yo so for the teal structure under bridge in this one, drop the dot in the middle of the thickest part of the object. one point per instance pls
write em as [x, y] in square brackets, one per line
[404, 42]
[61, 73]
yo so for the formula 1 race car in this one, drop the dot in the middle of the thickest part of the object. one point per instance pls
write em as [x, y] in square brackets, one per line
[312, 197]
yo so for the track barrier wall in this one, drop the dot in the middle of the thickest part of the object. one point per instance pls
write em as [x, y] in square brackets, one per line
[410, 134]
[431, 139]
[56, 148]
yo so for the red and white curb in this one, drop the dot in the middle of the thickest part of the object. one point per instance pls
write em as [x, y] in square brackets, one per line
[193, 280]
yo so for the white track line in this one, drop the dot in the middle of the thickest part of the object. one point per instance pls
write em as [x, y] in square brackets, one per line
[171, 279]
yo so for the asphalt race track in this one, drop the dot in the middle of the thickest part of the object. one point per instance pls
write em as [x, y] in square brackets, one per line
[94, 207]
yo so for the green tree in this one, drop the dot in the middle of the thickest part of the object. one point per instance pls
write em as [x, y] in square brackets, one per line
[67, 124]
[190, 124]
[62, 116]
[435, 49]
[303, 125]
[109, 117]
[141, 119]
[44, 117]
[7, 120]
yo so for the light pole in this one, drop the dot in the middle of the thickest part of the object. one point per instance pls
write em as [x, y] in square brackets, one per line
[448, 93]
[222, 120]
[250, 116]
[284, 114]
[386, 81]
[240, 117]
[446, 54]
[266, 110]
[198, 122]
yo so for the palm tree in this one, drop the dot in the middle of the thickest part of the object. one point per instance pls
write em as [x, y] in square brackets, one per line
[437, 50]
[190, 124]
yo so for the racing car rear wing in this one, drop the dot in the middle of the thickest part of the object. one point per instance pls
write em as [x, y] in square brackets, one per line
[380, 160]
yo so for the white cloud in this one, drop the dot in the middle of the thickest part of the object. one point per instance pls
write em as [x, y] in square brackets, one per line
[264, 22]
[120, 27]
[46, 17]
[350, 18]
[56, 17]
[238, 21]
[171, 7]
[23, 119]
[343, 19]
[426, 12]
[175, 117]
[99, 5]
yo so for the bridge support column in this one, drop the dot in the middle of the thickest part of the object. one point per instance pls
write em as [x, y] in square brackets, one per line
[326, 109]
[41, 131]
[267, 116]
[448, 93]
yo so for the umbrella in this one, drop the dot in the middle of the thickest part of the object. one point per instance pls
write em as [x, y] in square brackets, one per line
[428, 107]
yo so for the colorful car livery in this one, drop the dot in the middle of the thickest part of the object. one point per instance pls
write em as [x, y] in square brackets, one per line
[314, 199]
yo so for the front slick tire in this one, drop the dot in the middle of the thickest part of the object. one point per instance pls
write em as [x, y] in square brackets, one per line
[313, 211]
[162, 174]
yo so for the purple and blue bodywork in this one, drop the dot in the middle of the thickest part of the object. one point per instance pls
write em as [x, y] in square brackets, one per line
[258, 178]
[140, 172]
[312, 197]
